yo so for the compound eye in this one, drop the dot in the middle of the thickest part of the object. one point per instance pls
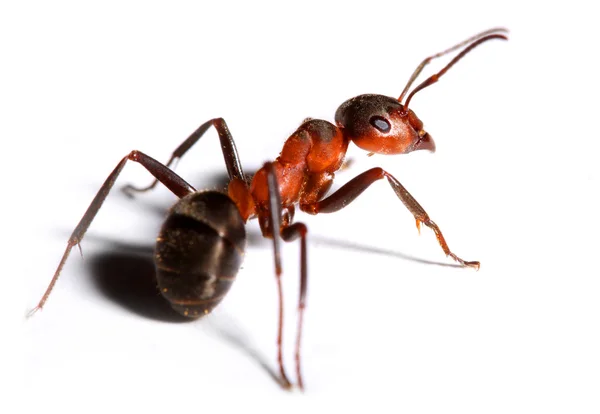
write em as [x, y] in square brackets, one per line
[380, 123]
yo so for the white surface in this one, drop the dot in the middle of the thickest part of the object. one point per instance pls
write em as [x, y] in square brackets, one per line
[514, 184]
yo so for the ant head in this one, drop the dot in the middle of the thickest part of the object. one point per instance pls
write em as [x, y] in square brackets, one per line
[384, 125]
[381, 125]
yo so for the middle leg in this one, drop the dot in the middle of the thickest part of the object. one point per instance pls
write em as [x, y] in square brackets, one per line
[288, 233]
[230, 154]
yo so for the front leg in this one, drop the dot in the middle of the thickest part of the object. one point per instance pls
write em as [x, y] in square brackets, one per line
[346, 194]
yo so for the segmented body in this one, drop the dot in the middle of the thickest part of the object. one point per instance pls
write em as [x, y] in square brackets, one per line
[199, 251]
[305, 170]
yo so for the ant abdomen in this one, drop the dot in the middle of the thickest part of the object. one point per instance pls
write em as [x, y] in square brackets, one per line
[199, 251]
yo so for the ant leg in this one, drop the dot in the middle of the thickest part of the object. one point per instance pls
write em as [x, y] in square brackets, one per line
[291, 233]
[347, 193]
[427, 60]
[232, 159]
[288, 234]
[162, 173]
[274, 223]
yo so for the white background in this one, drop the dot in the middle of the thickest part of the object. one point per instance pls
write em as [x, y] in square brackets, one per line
[389, 326]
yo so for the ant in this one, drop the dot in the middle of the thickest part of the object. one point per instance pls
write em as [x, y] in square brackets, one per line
[200, 247]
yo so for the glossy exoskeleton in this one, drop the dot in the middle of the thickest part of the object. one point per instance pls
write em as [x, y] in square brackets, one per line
[201, 244]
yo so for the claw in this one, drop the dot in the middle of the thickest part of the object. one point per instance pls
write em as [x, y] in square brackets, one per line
[474, 265]
[32, 312]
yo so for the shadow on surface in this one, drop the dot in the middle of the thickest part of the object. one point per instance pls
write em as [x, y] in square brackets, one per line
[126, 276]
[348, 245]
[227, 329]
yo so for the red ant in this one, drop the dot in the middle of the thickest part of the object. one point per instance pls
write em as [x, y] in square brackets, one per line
[201, 244]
